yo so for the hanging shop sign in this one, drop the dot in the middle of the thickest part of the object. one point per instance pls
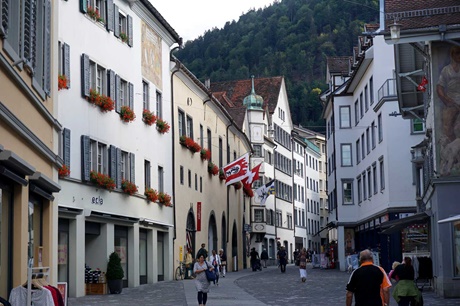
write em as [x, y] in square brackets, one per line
[198, 216]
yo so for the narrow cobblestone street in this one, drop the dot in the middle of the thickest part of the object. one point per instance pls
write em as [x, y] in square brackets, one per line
[269, 287]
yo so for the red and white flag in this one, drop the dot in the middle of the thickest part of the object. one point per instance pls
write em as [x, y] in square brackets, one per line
[252, 176]
[189, 241]
[236, 170]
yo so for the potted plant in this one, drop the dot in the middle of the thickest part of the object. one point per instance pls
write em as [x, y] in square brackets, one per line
[62, 82]
[114, 274]
[205, 154]
[162, 126]
[148, 117]
[123, 37]
[151, 194]
[128, 187]
[102, 180]
[64, 171]
[127, 114]
[212, 168]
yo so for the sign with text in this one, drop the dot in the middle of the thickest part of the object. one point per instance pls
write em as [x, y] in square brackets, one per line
[198, 216]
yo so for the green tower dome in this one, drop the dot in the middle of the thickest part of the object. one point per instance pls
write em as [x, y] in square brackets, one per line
[253, 101]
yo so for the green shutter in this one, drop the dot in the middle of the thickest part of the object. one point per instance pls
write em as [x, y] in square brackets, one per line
[85, 158]
[85, 81]
[66, 150]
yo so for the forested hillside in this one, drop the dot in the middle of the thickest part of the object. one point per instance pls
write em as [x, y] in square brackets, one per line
[290, 38]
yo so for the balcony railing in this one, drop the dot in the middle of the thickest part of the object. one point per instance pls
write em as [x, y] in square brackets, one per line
[388, 90]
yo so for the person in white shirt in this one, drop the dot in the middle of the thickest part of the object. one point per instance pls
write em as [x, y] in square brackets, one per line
[214, 258]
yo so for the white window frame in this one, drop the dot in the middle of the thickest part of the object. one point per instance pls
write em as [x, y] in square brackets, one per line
[345, 118]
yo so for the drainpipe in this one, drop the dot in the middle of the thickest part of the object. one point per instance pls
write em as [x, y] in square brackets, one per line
[274, 178]
[177, 69]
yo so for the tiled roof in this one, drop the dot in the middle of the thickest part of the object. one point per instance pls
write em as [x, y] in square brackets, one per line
[339, 64]
[419, 14]
[371, 27]
[232, 93]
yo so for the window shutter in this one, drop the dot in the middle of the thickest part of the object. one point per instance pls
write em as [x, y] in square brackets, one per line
[47, 49]
[110, 18]
[30, 17]
[66, 151]
[85, 158]
[66, 64]
[113, 162]
[3, 17]
[85, 86]
[83, 6]
[118, 178]
[130, 31]
[131, 95]
[116, 26]
[132, 167]
[117, 90]
[112, 92]
[148, 181]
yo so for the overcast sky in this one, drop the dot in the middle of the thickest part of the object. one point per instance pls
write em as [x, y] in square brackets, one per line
[191, 18]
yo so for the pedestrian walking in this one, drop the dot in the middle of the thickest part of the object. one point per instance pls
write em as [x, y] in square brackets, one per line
[215, 261]
[188, 264]
[296, 257]
[202, 251]
[201, 282]
[406, 292]
[264, 257]
[281, 255]
[369, 284]
[254, 256]
[223, 262]
[303, 265]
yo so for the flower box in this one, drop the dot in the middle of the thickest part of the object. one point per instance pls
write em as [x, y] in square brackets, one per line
[162, 126]
[123, 37]
[62, 82]
[104, 102]
[102, 180]
[205, 154]
[94, 14]
[64, 171]
[164, 198]
[237, 185]
[212, 168]
[151, 194]
[128, 187]
[127, 114]
[189, 143]
[148, 117]
[222, 176]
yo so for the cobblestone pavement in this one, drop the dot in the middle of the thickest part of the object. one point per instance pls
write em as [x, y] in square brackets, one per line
[269, 287]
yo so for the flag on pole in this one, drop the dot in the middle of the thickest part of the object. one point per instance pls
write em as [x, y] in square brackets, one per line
[236, 170]
[252, 176]
[264, 191]
[189, 241]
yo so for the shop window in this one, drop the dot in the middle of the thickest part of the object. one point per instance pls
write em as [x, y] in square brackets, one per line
[143, 256]
[35, 228]
[63, 250]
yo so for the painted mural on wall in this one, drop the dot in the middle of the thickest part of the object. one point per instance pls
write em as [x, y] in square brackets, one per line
[446, 74]
[151, 56]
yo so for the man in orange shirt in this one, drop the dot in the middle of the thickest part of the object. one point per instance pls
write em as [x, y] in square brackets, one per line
[369, 283]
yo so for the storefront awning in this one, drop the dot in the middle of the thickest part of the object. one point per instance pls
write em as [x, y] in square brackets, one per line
[450, 219]
[394, 226]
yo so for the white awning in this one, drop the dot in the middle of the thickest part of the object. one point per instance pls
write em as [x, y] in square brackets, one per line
[450, 219]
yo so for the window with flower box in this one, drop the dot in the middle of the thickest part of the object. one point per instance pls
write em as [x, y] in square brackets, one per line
[98, 155]
[159, 105]
[97, 75]
[145, 95]
[189, 127]
[64, 62]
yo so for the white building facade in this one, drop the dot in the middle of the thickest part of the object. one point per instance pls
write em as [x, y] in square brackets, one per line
[114, 161]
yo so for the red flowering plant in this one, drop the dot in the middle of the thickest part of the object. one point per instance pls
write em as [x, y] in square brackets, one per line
[222, 175]
[105, 103]
[127, 114]
[212, 168]
[189, 143]
[102, 180]
[128, 187]
[248, 191]
[151, 194]
[162, 126]
[62, 82]
[148, 117]
[64, 171]
[94, 14]
[164, 198]
[237, 185]
[205, 154]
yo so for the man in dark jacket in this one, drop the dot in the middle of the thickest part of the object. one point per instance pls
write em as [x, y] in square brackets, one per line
[202, 251]
[264, 257]
[254, 256]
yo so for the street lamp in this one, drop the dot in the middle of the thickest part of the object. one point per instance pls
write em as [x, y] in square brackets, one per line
[395, 31]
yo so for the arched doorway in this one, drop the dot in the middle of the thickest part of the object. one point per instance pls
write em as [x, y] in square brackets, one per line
[246, 244]
[223, 243]
[234, 247]
[212, 234]
[190, 232]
